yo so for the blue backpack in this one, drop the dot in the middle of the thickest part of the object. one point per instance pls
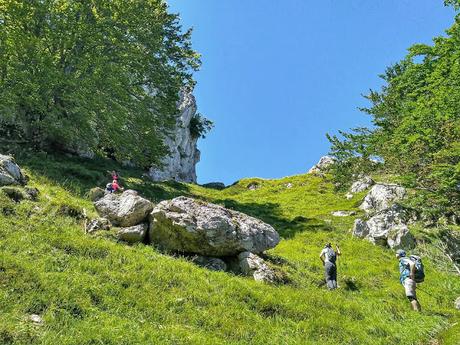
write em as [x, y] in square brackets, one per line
[419, 269]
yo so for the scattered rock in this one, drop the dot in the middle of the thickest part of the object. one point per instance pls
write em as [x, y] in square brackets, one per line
[125, 209]
[343, 213]
[32, 193]
[362, 184]
[98, 224]
[457, 303]
[96, 193]
[10, 172]
[386, 228]
[324, 163]
[253, 186]
[251, 265]
[133, 234]
[214, 185]
[14, 193]
[213, 264]
[382, 196]
[349, 196]
[288, 185]
[36, 319]
[190, 226]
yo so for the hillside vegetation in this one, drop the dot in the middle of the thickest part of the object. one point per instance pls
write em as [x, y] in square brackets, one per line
[95, 290]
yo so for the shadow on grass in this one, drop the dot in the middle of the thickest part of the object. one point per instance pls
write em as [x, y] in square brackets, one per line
[270, 213]
[79, 175]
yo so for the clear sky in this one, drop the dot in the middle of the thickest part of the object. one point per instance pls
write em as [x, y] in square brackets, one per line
[278, 75]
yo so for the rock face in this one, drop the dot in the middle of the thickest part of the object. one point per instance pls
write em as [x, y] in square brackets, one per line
[382, 196]
[10, 172]
[361, 185]
[324, 163]
[182, 144]
[96, 193]
[249, 264]
[190, 226]
[126, 209]
[386, 228]
[133, 234]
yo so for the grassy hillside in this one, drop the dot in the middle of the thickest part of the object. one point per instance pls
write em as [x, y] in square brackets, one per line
[94, 290]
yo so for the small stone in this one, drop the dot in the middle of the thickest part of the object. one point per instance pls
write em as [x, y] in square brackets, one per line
[36, 319]
[133, 234]
[457, 303]
[343, 213]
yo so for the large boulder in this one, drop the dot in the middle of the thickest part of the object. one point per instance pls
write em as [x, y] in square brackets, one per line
[386, 228]
[133, 234]
[251, 265]
[324, 163]
[192, 226]
[125, 209]
[361, 184]
[10, 172]
[382, 196]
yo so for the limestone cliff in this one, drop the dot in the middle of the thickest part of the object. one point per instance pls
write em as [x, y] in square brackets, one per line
[179, 165]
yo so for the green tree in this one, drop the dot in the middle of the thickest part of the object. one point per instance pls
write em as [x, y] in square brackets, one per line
[416, 132]
[99, 74]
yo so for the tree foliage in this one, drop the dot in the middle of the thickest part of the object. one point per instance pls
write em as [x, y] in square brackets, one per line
[416, 132]
[100, 75]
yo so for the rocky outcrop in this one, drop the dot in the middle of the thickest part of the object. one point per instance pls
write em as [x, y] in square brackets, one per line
[190, 226]
[133, 234]
[382, 196]
[324, 163]
[125, 209]
[251, 265]
[388, 228]
[179, 165]
[361, 185]
[10, 172]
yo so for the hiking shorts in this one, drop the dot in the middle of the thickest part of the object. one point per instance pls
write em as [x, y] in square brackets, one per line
[410, 286]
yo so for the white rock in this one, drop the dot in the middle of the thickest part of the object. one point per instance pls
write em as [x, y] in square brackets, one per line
[324, 163]
[36, 319]
[97, 225]
[133, 234]
[382, 196]
[10, 172]
[125, 209]
[191, 226]
[457, 303]
[349, 196]
[343, 213]
[179, 165]
[251, 265]
[362, 184]
[386, 228]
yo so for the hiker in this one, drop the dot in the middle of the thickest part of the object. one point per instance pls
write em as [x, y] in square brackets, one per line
[329, 257]
[113, 187]
[408, 276]
[114, 174]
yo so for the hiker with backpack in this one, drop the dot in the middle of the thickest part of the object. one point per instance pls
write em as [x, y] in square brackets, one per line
[329, 257]
[411, 272]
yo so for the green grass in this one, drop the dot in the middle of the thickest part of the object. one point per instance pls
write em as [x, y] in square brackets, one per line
[93, 290]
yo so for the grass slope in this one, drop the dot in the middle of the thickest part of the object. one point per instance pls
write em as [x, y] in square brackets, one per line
[93, 290]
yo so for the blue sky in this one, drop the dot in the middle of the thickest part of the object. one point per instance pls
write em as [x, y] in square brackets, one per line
[278, 75]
